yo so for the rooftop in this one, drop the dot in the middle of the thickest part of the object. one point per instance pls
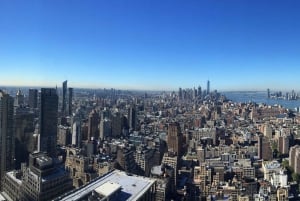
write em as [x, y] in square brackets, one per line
[108, 188]
[12, 176]
[132, 186]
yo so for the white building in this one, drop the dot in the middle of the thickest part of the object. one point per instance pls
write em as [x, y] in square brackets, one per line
[279, 179]
[116, 185]
[270, 167]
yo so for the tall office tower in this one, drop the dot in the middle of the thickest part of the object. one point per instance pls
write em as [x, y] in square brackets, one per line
[268, 131]
[19, 98]
[125, 158]
[33, 97]
[283, 144]
[48, 121]
[76, 133]
[116, 124]
[132, 118]
[268, 92]
[195, 93]
[70, 99]
[259, 145]
[208, 87]
[105, 113]
[105, 128]
[264, 148]
[93, 124]
[64, 136]
[7, 140]
[24, 130]
[180, 95]
[173, 161]
[294, 158]
[64, 98]
[199, 92]
[174, 140]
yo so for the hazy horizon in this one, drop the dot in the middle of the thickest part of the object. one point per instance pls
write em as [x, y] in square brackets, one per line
[59, 86]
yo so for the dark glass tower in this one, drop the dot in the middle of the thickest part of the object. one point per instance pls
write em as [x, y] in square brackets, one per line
[208, 87]
[64, 98]
[33, 97]
[70, 99]
[132, 118]
[7, 140]
[48, 121]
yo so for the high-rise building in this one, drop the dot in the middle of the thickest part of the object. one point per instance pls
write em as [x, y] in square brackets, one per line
[199, 92]
[195, 93]
[174, 140]
[44, 179]
[116, 124]
[19, 98]
[145, 159]
[180, 95]
[268, 92]
[7, 140]
[125, 159]
[93, 124]
[105, 128]
[264, 148]
[48, 121]
[76, 133]
[283, 144]
[64, 136]
[33, 97]
[268, 131]
[294, 158]
[208, 87]
[70, 99]
[64, 98]
[172, 161]
[24, 130]
[132, 118]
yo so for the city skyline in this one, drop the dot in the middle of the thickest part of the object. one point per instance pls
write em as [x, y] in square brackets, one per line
[237, 45]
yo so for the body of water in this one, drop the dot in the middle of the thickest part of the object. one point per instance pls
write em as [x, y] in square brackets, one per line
[261, 97]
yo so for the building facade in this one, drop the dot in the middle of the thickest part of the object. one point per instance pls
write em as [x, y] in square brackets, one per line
[48, 121]
[7, 139]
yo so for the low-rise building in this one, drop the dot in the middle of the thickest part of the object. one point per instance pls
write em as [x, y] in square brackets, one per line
[116, 185]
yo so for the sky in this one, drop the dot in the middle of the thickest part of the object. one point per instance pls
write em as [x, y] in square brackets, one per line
[151, 44]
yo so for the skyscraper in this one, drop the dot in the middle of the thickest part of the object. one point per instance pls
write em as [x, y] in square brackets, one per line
[76, 133]
[64, 98]
[33, 96]
[19, 98]
[174, 140]
[93, 125]
[199, 91]
[132, 118]
[105, 128]
[48, 121]
[208, 87]
[70, 99]
[23, 131]
[7, 140]
[268, 92]
[180, 94]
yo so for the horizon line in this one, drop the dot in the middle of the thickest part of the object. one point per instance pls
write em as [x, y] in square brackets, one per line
[140, 89]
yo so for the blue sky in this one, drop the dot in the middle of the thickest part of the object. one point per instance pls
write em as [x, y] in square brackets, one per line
[151, 44]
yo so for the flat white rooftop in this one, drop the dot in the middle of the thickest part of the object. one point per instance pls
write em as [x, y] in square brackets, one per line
[132, 186]
[108, 188]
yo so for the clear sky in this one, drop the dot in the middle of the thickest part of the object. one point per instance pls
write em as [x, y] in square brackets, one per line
[151, 44]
